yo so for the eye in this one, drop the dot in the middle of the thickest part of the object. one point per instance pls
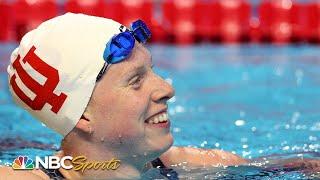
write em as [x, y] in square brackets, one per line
[136, 81]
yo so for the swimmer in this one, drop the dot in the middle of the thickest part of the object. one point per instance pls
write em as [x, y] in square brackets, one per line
[91, 80]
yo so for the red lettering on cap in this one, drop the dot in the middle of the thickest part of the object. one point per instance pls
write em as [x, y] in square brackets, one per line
[44, 93]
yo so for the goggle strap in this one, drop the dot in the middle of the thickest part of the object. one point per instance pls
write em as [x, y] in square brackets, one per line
[105, 65]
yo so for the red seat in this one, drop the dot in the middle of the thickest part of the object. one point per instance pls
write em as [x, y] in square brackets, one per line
[235, 17]
[138, 9]
[281, 29]
[159, 34]
[127, 11]
[275, 17]
[5, 21]
[90, 7]
[207, 20]
[265, 20]
[299, 21]
[313, 22]
[112, 10]
[178, 20]
[42, 10]
[20, 17]
[29, 14]
[167, 19]
[255, 32]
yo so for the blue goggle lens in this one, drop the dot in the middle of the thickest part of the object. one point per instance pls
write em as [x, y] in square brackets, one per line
[140, 31]
[121, 45]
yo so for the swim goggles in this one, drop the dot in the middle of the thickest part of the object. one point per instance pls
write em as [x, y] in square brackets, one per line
[120, 46]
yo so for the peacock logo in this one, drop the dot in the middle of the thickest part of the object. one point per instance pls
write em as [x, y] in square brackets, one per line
[23, 162]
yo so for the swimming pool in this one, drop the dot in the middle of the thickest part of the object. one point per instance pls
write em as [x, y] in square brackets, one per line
[253, 100]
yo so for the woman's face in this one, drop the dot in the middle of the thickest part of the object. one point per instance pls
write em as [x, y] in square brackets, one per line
[125, 99]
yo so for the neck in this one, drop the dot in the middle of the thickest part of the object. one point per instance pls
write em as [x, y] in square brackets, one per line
[129, 167]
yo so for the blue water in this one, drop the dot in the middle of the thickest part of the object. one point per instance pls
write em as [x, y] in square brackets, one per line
[255, 101]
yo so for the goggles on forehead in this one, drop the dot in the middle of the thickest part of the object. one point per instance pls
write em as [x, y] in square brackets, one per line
[120, 45]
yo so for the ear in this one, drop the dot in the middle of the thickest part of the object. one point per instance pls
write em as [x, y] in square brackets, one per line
[84, 124]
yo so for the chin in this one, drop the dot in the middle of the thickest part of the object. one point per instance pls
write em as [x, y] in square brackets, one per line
[160, 145]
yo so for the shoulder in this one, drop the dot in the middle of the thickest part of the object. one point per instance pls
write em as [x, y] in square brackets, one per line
[200, 157]
[229, 157]
[9, 173]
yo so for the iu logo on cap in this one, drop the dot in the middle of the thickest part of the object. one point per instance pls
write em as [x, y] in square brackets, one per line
[44, 93]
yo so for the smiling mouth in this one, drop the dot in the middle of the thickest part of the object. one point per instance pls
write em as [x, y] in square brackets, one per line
[159, 118]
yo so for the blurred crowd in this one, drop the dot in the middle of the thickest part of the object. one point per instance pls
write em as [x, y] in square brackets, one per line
[180, 21]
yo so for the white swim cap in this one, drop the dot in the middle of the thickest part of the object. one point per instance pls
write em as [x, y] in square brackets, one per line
[53, 71]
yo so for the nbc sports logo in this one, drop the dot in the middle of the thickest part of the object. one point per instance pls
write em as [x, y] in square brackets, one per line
[23, 162]
[55, 162]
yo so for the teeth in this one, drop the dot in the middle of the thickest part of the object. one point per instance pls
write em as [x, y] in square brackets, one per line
[163, 117]
[156, 120]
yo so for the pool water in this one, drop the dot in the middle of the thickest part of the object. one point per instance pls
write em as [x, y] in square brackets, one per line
[252, 100]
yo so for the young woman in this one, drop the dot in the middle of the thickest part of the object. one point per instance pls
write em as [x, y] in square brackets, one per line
[91, 80]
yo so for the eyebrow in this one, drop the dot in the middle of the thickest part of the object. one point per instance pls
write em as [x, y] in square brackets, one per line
[137, 70]
[134, 71]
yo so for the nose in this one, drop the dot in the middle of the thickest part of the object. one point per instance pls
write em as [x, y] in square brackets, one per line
[163, 90]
